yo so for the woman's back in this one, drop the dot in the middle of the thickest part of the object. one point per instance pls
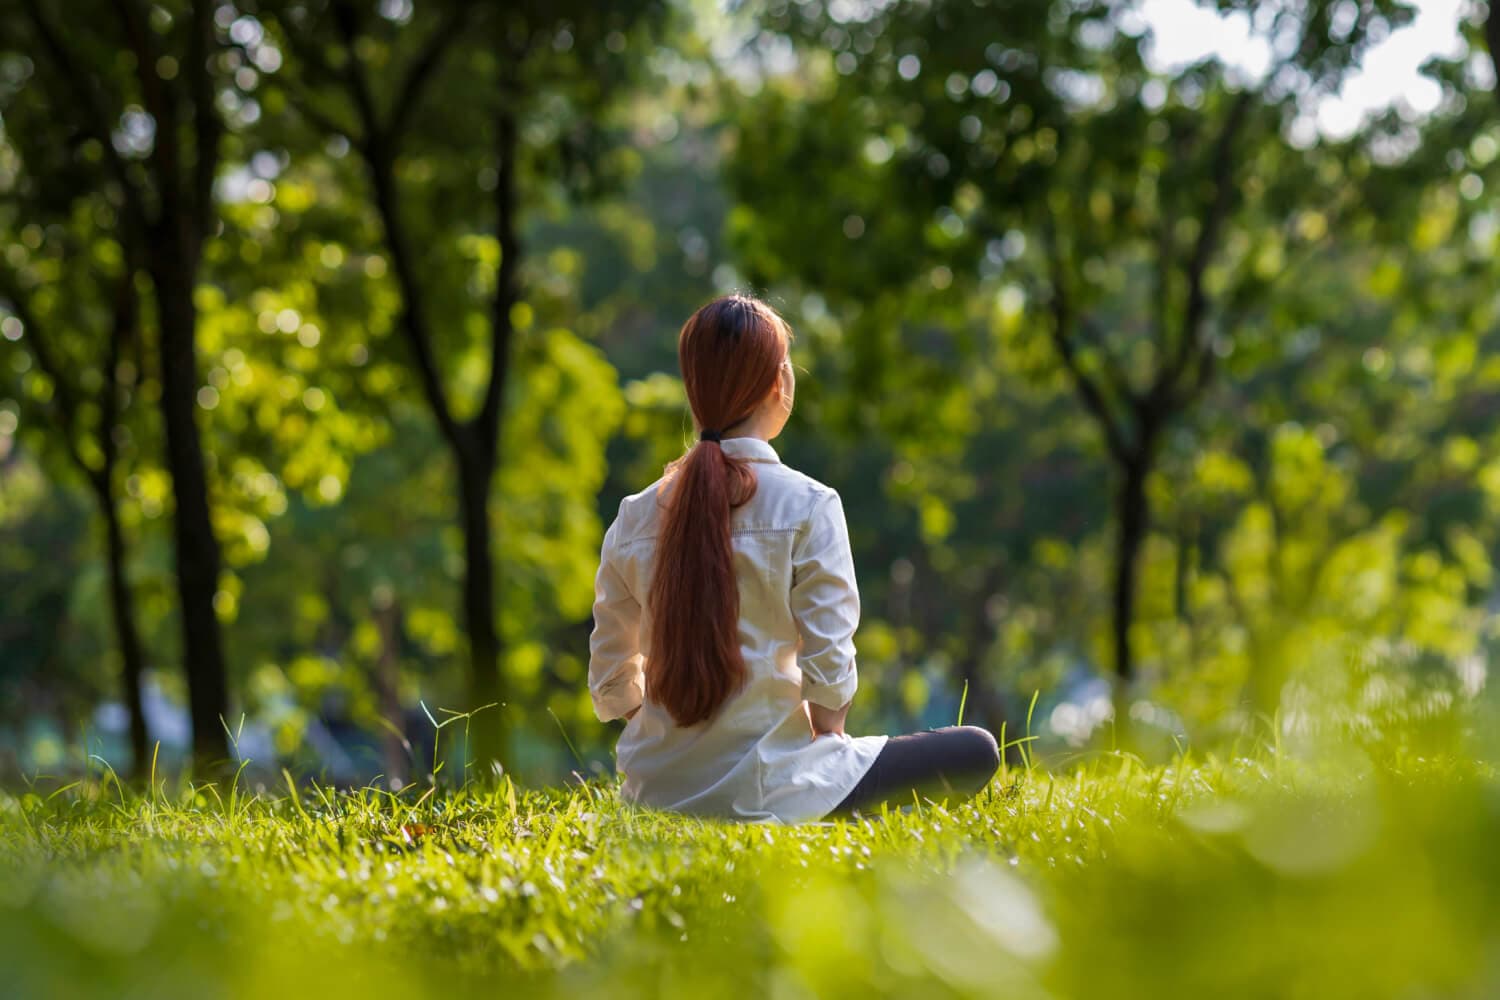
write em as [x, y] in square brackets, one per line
[725, 610]
[756, 757]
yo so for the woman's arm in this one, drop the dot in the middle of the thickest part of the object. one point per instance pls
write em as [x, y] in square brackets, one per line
[827, 720]
[616, 674]
[825, 604]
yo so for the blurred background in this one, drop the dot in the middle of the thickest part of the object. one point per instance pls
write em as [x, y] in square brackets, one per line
[1149, 344]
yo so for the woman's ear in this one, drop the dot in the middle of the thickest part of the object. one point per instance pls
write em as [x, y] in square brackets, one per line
[786, 385]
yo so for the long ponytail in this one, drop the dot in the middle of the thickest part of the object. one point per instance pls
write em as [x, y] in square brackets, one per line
[731, 353]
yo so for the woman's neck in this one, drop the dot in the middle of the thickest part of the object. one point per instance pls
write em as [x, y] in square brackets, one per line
[756, 427]
[764, 424]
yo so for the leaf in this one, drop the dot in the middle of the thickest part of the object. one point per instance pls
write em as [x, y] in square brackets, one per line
[413, 833]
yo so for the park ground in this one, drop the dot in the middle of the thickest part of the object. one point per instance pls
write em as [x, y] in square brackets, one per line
[1329, 866]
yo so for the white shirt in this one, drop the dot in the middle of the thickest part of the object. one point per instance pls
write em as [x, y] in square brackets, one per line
[799, 606]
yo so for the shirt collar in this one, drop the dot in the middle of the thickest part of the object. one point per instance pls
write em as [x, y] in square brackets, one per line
[749, 449]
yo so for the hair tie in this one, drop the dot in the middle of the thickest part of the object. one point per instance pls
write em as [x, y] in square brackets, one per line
[714, 436]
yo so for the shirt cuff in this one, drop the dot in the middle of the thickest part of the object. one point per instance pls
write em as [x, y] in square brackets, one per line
[833, 695]
[615, 701]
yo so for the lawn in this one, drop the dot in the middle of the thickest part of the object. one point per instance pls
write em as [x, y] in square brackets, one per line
[1332, 869]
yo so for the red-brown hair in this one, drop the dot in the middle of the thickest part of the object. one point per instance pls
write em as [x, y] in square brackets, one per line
[731, 352]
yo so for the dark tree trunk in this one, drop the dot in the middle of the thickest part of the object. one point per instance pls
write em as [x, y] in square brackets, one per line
[1132, 516]
[125, 329]
[985, 705]
[122, 608]
[196, 548]
[480, 459]
[487, 729]
[474, 443]
[1130, 522]
[387, 683]
[1183, 569]
[170, 212]
[473, 446]
[67, 419]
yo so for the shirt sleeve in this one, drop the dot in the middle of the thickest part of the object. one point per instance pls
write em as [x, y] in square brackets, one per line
[616, 674]
[825, 604]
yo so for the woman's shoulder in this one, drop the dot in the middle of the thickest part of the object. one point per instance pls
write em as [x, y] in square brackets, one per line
[637, 515]
[784, 497]
[799, 481]
[793, 494]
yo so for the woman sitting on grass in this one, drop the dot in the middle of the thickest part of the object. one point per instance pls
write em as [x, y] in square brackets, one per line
[725, 610]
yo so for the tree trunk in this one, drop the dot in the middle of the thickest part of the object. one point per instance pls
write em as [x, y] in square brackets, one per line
[1131, 513]
[474, 443]
[985, 704]
[1181, 571]
[487, 729]
[387, 692]
[196, 548]
[101, 480]
[122, 607]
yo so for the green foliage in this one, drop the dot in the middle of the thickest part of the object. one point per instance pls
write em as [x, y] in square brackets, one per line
[909, 183]
[977, 211]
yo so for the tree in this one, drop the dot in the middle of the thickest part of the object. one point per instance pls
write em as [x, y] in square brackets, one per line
[87, 427]
[383, 73]
[155, 162]
[1030, 146]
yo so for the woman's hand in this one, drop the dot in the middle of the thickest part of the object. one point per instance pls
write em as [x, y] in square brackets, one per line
[827, 720]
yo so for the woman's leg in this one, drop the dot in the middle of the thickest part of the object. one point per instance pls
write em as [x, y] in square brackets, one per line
[954, 760]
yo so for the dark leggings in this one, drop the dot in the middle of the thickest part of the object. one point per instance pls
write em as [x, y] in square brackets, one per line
[954, 761]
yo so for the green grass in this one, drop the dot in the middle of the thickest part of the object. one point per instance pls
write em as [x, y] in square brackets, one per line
[1324, 872]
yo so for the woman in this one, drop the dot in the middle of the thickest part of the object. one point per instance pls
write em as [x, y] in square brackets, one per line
[724, 615]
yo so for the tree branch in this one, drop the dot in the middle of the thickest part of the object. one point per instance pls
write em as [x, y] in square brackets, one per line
[309, 55]
[161, 103]
[1061, 332]
[1166, 253]
[324, 121]
[1207, 243]
[1205, 363]
[124, 327]
[379, 152]
[1169, 390]
[66, 408]
[1116, 377]
[208, 126]
[93, 114]
[507, 290]
[346, 17]
[409, 93]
